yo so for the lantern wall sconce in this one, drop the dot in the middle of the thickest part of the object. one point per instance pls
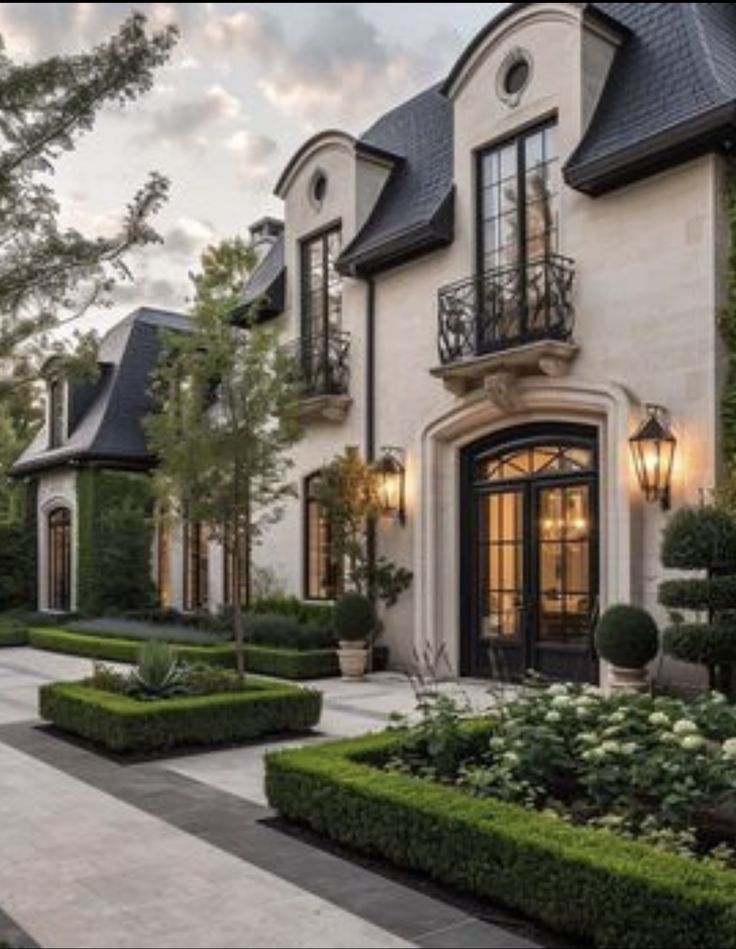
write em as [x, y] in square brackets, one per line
[653, 450]
[390, 471]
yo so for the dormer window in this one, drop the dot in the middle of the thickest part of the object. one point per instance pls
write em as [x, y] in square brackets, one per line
[56, 412]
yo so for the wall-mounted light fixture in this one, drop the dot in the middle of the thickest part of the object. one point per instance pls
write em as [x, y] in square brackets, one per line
[653, 450]
[390, 471]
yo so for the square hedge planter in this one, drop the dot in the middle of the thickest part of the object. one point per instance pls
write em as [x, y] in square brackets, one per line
[583, 881]
[123, 724]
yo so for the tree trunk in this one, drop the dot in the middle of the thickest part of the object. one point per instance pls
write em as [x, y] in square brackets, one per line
[237, 607]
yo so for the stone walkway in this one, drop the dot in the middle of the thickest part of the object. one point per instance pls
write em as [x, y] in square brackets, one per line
[184, 852]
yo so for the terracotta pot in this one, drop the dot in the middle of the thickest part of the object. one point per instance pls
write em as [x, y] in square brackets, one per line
[353, 656]
[628, 680]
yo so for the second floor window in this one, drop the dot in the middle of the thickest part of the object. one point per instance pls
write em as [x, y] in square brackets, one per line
[518, 201]
[56, 413]
[321, 284]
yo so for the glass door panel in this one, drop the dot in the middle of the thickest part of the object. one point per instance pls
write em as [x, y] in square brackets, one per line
[564, 554]
[501, 557]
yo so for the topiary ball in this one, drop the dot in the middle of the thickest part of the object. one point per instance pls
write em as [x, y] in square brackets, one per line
[700, 538]
[627, 636]
[354, 617]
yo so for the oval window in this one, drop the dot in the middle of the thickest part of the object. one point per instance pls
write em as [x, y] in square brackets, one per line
[517, 76]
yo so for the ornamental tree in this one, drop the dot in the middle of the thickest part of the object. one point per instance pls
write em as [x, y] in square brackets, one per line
[50, 274]
[228, 418]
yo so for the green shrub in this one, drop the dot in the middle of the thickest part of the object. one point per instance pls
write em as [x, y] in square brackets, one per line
[157, 673]
[277, 631]
[282, 663]
[586, 882]
[12, 632]
[123, 724]
[700, 643]
[699, 594]
[355, 616]
[308, 614]
[699, 538]
[627, 636]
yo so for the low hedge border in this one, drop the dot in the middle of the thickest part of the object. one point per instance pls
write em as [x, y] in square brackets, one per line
[126, 725]
[281, 663]
[585, 882]
[13, 635]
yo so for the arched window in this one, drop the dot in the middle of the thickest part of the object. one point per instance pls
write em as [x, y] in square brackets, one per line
[60, 559]
[196, 565]
[322, 574]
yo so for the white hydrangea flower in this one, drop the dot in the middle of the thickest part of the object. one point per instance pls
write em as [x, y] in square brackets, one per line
[561, 701]
[729, 748]
[557, 689]
[610, 747]
[669, 738]
[718, 698]
[511, 758]
[685, 727]
[553, 717]
[588, 738]
[618, 717]
[658, 719]
[582, 711]
[629, 748]
[692, 742]
[497, 744]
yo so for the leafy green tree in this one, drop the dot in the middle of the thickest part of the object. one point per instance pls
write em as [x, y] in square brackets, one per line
[49, 273]
[228, 419]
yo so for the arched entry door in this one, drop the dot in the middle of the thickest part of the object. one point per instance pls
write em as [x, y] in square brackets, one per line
[60, 559]
[530, 552]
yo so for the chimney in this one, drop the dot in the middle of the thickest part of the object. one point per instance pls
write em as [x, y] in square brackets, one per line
[264, 233]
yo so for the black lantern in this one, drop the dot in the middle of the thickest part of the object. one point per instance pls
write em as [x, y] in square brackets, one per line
[653, 450]
[390, 483]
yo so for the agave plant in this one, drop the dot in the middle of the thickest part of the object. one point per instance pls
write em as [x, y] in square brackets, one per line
[158, 673]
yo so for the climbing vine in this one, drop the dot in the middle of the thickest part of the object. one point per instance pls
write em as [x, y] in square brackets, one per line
[727, 327]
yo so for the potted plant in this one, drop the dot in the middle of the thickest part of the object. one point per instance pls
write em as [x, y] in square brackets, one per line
[354, 620]
[627, 637]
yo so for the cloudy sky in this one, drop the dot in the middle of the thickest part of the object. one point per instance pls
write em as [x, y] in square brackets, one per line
[247, 83]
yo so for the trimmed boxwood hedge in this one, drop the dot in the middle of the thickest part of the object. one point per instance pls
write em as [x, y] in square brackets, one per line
[282, 663]
[13, 634]
[123, 724]
[582, 881]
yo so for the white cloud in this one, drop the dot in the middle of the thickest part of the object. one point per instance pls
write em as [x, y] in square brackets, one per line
[185, 120]
[187, 238]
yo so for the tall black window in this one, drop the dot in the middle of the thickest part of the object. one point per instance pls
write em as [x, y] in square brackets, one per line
[518, 201]
[233, 570]
[321, 285]
[60, 559]
[323, 576]
[196, 565]
[56, 413]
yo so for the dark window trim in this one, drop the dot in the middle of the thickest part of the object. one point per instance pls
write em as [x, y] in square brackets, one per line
[517, 137]
[306, 505]
[195, 594]
[62, 532]
[321, 234]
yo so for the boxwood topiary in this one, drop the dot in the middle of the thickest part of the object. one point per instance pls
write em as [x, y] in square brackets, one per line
[627, 636]
[355, 616]
[700, 538]
[702, 644]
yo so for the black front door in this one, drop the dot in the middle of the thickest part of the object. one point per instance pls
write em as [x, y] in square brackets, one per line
[530, 553]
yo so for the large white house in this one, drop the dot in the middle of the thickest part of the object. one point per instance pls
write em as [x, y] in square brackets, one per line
[492, 284]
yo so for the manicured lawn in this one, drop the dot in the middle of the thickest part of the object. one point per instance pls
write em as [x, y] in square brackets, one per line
[126, 724]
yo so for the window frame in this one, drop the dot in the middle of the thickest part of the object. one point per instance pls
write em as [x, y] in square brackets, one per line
[335, 577]
[308, 326]
[195, 544]
[57, 412]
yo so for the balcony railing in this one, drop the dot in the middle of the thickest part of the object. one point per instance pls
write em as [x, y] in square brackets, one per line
[506, 308]
[322, 363]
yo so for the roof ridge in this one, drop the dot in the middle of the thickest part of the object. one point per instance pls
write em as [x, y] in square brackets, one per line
[704, 46]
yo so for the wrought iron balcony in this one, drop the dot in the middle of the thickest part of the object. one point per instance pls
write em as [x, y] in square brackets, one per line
[322, 367]
[506, 308]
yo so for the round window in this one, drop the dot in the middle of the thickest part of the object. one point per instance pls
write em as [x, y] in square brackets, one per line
[513, 77]
[319, 188]
[517, 76]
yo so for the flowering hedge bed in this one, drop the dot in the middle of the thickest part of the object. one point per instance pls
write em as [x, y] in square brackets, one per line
[587, 882]
[654, 769]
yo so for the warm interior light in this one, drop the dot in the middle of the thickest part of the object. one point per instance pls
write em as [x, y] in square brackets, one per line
[653, 452]
[391, 479]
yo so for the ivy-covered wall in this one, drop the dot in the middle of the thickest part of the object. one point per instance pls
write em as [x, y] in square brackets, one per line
[727, 326]
[18, 550]
[115, 535]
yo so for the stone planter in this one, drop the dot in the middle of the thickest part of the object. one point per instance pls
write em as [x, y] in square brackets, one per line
[353, 656]
[627, 680]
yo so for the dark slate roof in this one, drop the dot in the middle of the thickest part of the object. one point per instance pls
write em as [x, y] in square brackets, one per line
[414, 211]
[110, 429]
[266, 285]
[671, 93]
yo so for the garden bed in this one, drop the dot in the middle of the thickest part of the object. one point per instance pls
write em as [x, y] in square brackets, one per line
[13, 634]
[125, 724]
[586, 881]
[279, 662]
